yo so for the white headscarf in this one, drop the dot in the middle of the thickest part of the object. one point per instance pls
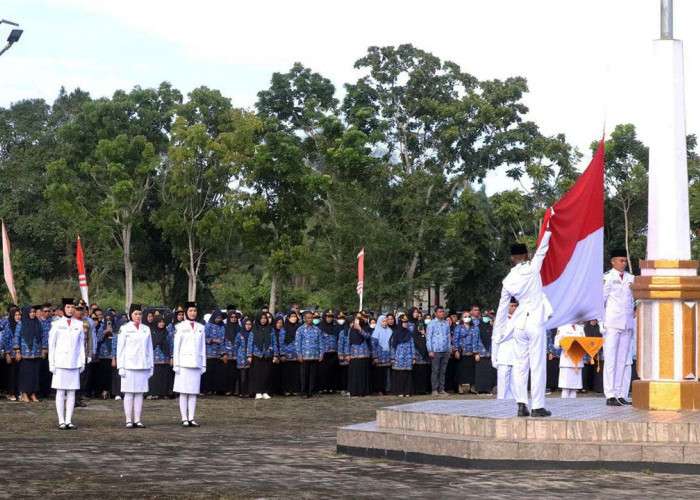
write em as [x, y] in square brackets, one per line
[383, 335]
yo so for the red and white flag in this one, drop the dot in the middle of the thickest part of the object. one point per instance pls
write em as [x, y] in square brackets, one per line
[360, 272]
[573, 267]
[7, 264]
[82, 279]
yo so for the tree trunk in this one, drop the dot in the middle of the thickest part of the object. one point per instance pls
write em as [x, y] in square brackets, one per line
[273, 294]
[128, 269]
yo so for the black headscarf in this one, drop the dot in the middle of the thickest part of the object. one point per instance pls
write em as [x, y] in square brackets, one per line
[419, 339]
[592, 330]
[411, 319]
[290, 329]
[329, 328]
[32, 330]
[122, 319]
[396, 327]
[159, 336]
[214, 315]
[356, 337]
[261, 334]
[244, 332]
[232, 327]
[401, 336]
[485, 332]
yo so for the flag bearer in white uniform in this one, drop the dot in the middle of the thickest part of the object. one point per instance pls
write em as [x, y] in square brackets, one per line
[189, 362]
[570, 375]
[616, 327]
[525, 284]
[135, 365]
[66, 362]
[503, 356]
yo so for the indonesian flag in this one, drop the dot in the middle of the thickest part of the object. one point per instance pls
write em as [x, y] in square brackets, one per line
[360, 271]
[82, 279]
[572, 269]
[7, 264]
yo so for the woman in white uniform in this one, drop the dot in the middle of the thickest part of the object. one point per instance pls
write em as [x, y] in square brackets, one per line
[570, 375]
[189, 363]
[66, 362]
[135, 365]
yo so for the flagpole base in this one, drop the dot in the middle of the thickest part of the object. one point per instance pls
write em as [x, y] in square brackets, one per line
[668, 319]
[665, 395]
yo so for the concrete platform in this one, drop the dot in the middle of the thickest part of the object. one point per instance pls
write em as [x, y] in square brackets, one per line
[581, 434]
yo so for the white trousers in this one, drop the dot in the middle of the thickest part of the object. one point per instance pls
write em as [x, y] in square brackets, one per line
[506, 382]
[627, 381]
[616, 348]
[530, 357]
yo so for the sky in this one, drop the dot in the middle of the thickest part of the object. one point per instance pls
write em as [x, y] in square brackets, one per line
[587, 62]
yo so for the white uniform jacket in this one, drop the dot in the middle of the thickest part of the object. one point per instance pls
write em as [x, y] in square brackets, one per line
[618, 300]
[568, 331]
[502, 346]
[134, 347]
[189, 349]
[525, 284]
[66, 344]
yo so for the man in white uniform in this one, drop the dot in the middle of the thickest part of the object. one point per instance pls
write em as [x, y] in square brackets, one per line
[525, 284]
[503, 356]
[616, 327]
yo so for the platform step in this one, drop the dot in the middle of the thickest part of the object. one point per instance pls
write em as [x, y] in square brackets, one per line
[573, 420]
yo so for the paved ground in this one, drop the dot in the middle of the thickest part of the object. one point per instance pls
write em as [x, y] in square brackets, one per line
[255, 449]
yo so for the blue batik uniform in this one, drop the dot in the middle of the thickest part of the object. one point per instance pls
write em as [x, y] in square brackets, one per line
[288, 351]
[32, 351]
[9, 339]
[361, 350]
[213, 331]
[403, 354]
[330, 341]
[46, 327]
[241, 350]
[438, 336]
[479, 347]
[551, 349]
[464, 339]
[159, 357]
[104, 349]
[308, 343]
[379, 354]
[271, 351]
[343, 346]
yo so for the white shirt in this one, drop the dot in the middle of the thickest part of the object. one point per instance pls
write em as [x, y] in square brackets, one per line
[66, 344]
[574, 330]
[189, 349]
[503, 348]
[618, 300]
[134, 347]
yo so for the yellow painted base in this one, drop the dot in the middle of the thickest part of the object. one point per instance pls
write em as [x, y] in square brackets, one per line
[671, 395]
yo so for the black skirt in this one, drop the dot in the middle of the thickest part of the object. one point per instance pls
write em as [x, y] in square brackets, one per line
[229, 376]
[10, 377]
[466, 370]
[358, 377]
[259, 373]
[553, 374]
[210, 378]
[290, 380]
[485, 376]
[45, 377]
[402, 382]
[421, 379]
[342, 377]
[160, 384]
[103, 375]
[243, 387]
[380, 378]
[275, 379]
[451, 380]
[28, 376]
[117, 382]
[328, 372]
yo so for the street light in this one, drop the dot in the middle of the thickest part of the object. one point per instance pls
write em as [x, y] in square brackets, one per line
[14, 35]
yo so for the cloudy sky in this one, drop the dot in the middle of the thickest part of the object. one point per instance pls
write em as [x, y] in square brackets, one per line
[586, 61]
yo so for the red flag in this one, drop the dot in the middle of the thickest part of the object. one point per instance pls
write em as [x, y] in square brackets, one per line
[360, 271]
[572, 269]
[7, 264]
[82, 279]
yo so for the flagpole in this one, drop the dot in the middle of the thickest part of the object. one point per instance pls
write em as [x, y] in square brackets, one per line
[361, 275]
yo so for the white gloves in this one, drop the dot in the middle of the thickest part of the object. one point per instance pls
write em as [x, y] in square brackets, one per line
[494, 361]
[52, 369]
[150, 373]
[204, 369]
[89, 360]
[82, 369]
[176, 369]
[601, 326]
[122, 372]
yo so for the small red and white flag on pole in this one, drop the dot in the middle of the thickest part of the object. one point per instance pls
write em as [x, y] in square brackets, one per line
[7, 264]
[361, 274]
[82, 279]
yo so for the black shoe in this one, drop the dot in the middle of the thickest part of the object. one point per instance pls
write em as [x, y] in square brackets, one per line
[139, 425]
[522, 410]
[193, 423]
[62, 427]
[624, 402]
[613, 402]
[185, 423]
[71, 427]
[129, 425]
[541, 412]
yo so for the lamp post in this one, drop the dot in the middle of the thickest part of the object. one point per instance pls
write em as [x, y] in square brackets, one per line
[15, 35]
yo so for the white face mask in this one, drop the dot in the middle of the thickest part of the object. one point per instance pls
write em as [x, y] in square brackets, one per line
[341, 321]
[486, 320]
[467, 319]
[372, 326]
[427, 321]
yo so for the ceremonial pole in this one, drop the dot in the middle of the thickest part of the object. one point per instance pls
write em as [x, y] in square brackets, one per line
[668, 288]
[361, 275]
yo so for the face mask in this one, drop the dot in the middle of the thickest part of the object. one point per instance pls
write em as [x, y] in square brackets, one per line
[372, 326]
[341, 321]
[316, 321]
[427, 321]
[467, 320]
[486, 320]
